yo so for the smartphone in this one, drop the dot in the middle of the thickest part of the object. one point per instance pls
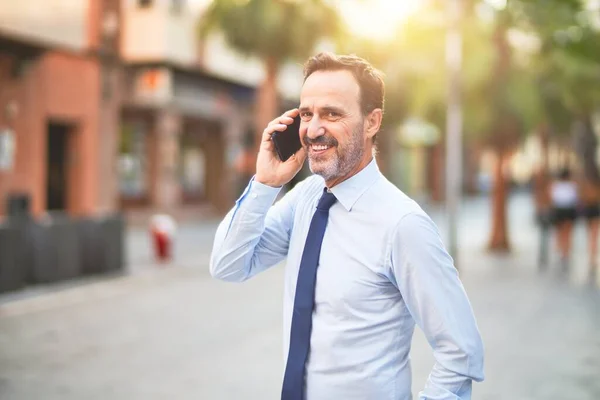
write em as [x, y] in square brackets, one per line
[287, 143]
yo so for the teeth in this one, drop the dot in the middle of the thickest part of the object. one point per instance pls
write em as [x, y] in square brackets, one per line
[319, 148]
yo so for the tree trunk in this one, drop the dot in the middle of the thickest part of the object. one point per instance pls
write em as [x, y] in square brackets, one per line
[472, 169]
[544, 135]
[541, 177]
[267, 101]
[499, 236]
[437, 175]
[586, 145]
[503, 136]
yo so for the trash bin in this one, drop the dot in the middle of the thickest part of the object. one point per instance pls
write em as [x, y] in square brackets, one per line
[65, 243]
[12, 276]
[43, 267]
[25, 253]
[91, 246]
[56, 244]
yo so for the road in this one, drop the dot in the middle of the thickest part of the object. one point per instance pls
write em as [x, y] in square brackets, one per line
[173, 332]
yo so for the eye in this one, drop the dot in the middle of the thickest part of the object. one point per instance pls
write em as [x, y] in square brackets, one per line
[306, 115]
[333, 114]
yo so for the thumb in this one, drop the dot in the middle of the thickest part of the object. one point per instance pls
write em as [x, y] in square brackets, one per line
[299, 157]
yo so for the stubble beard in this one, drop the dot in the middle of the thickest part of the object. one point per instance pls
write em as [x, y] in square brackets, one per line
[342, 161]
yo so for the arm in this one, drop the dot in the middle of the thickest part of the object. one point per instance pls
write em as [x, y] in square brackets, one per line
[430, 286]
[254, 235]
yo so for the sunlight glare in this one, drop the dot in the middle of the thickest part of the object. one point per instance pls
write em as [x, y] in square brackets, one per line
[377, 19]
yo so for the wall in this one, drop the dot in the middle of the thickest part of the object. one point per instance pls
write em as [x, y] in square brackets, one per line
[57, 87]
[59, 23]
[157, 33]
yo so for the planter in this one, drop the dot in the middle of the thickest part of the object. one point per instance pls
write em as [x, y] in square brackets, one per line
[12, 274]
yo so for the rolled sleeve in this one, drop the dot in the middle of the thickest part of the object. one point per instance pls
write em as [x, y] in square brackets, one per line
[434, 295]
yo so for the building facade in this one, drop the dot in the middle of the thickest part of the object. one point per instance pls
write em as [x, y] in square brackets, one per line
[52, 88]
[187, 112]
[109, 105]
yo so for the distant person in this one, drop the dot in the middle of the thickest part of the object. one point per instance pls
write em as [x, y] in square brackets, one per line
[589, 195]
[564, 204]
[543, 209]
[364, 261]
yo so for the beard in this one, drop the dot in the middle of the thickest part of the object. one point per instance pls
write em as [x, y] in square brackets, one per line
[342, 160]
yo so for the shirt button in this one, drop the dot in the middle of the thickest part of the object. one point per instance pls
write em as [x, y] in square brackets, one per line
[254, 195]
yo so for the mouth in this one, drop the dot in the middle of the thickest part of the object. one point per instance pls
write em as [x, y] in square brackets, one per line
[318, 149]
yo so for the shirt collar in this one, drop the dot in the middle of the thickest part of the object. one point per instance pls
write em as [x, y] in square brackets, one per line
[349, 191]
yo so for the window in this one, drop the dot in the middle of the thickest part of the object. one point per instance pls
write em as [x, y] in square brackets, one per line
[192, 164]
[132, 160]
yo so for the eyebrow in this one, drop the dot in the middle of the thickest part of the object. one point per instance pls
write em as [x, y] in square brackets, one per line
[335, 109]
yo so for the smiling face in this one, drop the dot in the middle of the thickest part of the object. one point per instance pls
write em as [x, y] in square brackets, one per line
[335, 133]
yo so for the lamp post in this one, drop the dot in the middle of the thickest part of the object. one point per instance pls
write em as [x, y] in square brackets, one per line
[454, 122]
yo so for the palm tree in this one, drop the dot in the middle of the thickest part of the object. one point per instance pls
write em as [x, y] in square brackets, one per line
[275, 31]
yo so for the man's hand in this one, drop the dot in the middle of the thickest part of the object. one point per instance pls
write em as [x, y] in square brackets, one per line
[269, 168]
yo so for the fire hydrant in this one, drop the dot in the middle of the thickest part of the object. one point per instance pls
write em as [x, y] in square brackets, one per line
[162, 231]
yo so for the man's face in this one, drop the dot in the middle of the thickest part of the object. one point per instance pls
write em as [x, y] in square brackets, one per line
[332, 128]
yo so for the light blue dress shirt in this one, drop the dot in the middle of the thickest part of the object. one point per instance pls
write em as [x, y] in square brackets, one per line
[382, 268]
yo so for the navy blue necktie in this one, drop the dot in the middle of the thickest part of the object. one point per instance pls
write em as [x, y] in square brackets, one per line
[293, 381]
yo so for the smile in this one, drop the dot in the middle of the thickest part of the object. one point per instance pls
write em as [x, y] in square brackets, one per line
[319, 148]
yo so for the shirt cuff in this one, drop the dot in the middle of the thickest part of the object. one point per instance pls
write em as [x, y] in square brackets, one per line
[258, 197]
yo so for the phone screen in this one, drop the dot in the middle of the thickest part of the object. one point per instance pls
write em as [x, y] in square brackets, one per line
[287, 143]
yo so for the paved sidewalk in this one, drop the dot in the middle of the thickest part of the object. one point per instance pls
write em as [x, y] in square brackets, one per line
[173, 332]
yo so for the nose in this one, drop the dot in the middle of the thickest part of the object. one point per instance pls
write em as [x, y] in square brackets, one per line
[315, 128]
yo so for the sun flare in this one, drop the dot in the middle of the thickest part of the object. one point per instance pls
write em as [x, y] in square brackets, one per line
[376, 19]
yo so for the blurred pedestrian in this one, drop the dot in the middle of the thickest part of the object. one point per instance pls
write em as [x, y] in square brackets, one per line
[543, 208]
[564, 198]
[589, 194]
[364, 261]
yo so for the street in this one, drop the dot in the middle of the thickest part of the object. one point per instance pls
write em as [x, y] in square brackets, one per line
[173, 332]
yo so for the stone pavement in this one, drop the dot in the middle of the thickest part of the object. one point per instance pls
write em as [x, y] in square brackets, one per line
[173, 332]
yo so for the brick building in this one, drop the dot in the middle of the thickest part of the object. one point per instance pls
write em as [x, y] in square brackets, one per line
[114, 104]
[55, 79]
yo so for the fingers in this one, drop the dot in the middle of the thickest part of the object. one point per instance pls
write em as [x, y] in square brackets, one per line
[293, 113]
[298, 158]
[268, 132]
[279, 124]
[286, 118]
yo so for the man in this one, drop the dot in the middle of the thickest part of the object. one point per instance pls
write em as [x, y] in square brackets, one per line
[364, 262]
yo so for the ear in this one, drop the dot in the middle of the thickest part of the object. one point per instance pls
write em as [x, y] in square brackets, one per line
[373, 122]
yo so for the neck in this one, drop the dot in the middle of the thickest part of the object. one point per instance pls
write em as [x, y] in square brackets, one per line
[359, 167]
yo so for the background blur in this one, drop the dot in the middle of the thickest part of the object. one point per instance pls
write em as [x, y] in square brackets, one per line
[114, 111]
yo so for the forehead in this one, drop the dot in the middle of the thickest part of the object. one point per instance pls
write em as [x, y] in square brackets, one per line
[327, 87]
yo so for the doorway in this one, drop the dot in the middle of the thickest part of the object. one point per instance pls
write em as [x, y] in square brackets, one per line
[57, 166]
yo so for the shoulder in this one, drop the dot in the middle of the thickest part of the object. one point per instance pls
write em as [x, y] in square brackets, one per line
[404, 217]
[390, 203]
[314, 184]
[305, 189]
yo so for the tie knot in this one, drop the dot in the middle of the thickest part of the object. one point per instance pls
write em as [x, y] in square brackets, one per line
[326, 200]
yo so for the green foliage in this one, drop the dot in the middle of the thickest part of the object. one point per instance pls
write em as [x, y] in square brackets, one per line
[271, 29]
[501, 80]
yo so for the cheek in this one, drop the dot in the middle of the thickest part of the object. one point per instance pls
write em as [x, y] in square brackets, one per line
[302, 136]
[342, 133]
